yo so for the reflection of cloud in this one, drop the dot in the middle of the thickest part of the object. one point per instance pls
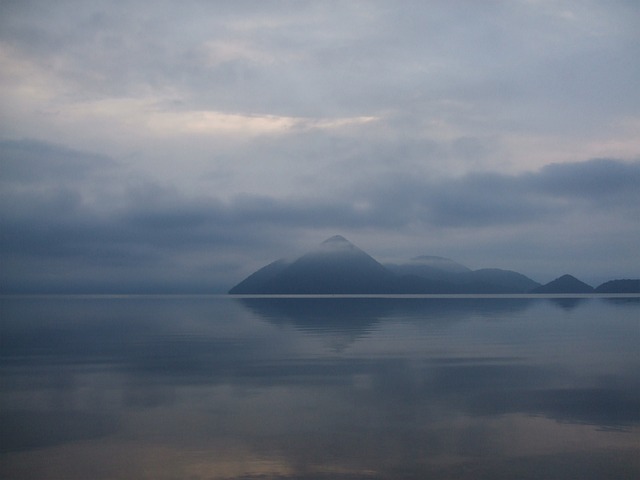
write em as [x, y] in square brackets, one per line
[502, 389]
[195, 353]
[28, 430]
[212, 380]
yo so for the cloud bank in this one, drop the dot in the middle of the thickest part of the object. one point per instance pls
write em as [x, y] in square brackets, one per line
[64, 231]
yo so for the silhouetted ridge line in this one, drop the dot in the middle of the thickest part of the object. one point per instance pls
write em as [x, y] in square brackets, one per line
[620, 286]
[337, 266]
[564, 284]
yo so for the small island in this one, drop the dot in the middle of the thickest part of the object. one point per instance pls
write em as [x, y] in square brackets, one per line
[337, 266]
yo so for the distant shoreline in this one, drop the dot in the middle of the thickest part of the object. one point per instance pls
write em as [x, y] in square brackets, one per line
[325, 295]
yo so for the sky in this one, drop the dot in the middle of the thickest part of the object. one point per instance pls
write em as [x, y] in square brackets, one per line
[180, 146]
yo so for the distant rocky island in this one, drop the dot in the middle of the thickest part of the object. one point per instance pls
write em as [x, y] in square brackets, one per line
[337, 267]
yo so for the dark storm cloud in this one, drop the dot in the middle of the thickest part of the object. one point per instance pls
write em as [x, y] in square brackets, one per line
[55, 211]
[493, 199]
[596, 180]
[26, 161]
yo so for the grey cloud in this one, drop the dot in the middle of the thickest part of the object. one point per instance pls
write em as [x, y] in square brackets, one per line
[491, 198]
[481, 200]
[305, 58]
[148, 226]
[596, 180]
[26, 161]
[458, 90]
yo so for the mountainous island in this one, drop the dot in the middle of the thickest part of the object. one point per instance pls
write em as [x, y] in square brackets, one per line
[337, 266]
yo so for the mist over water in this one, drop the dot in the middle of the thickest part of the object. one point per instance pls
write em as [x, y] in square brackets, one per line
[359, 388]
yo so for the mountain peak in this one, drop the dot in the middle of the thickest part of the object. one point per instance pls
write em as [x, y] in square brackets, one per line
[335, 266]
[336, 240]
[335, 244]
[564, 284]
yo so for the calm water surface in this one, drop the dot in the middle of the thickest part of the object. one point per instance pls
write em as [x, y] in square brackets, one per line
[319, 388]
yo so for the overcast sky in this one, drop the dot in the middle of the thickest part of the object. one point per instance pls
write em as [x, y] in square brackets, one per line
[179, 146]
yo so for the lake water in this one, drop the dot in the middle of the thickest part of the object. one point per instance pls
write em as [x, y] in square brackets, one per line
[316, 388]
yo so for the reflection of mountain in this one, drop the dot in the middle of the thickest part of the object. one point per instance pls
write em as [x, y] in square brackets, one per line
[359, 315]
[631, 301]
[321, 314]
[341, 321]
[568, 303]
[339, 267]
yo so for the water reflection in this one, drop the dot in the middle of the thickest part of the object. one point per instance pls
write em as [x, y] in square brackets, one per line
[568, 303]
[363, 313]
[319, 388]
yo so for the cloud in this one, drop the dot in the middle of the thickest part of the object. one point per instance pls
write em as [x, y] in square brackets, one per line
[237, 127]
[219, 123]
[56, 209]
[28, 161]
[596, 180]
[485, 199]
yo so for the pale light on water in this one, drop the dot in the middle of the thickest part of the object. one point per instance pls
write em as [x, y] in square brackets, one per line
[283, 388]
